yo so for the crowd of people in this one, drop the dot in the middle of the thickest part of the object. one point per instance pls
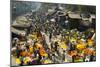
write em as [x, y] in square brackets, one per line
[50, 40]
